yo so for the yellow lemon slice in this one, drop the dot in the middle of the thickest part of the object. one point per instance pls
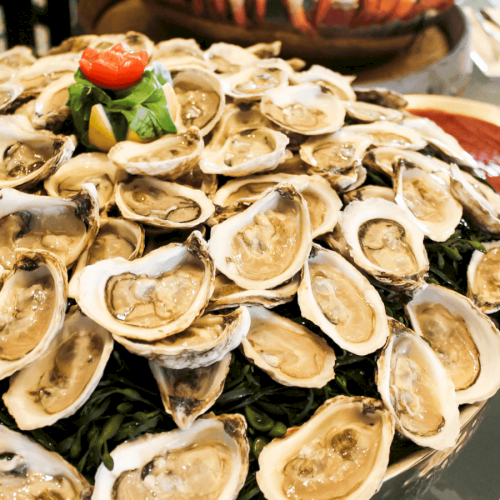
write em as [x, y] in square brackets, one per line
[100, 132]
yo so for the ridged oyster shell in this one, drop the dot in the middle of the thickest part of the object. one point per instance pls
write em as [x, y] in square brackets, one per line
[94, 168]
[417, 390]
[32, 306]
[384, 242]
[206, 341]
[169, 156]
[29, 469]
[64, 226]
[344, 448]
[289, 353]
[465, 340]
[248, 248]
[149, 298]
[482, 278]
[307, 109]
[189, 392]
[390, 134]
[57, 384]
[27, 155]
[162, 204]
[211, 456]
[334, 295]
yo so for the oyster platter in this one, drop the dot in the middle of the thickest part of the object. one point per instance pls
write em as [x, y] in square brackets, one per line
[291, 288]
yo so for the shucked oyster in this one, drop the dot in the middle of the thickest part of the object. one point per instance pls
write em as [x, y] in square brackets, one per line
[94, 168]
[63, 226]
[465, 340]
[384, 242]
[58, 383]
[28, 471]
[417, 390]
[32, 306]
[152, 297]
[289, 353]
[162, 204]
[250, 248]
[209, 461]
[341, 452]
[307, 109]
[334, 295]
[28, 156]
[206, 341]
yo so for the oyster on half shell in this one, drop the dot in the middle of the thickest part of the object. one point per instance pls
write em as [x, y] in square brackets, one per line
[334, 295]
[417, 390]
[267, 244]
[384, 242]
[343, 450]
[28, 470]
[57, 384]
[289, 353]
[465, 340]
[149, 298]
[209, 461]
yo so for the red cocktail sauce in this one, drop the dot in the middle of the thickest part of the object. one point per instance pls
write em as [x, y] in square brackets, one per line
[481, 139]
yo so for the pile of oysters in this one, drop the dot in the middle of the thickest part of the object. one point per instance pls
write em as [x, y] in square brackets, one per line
[267, 158]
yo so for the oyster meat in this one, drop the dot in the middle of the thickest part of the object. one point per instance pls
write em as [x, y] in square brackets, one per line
[343, 450]
[209, 461]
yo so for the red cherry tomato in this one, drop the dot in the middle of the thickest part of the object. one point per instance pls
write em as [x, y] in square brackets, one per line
[116, 68]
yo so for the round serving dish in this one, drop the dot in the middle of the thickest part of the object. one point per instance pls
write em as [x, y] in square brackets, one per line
[412, 476]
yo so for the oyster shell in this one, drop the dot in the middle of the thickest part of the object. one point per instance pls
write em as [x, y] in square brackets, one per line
[336, 156]
[245, 152]
[64, 226]
[390, 134]
[50, 106]
[289, 353]
[228, 58]
[367, 192]
[206, 341]
[58, 383]
[364, 112]
[169, 156]
[339, 84]
[136, 41]
[426, 201]
[384, 242]
[189, 392]
[210, 457]
[307, 109]
[162, 204]
[178, 52]
[116, 238]
[201, 99]
[265, 50]
[483, 278]
[9, 92]
[323, 202]
[152, 297]
[248, 248]
[254, 81]
[382, 97]
[417, 390]
[445, 144]
[32, 306]
[335, 296]
[13, 60]
[94, 168]
[464, 339]
[28, 155]
[30, 471]
[344, 448]
[227, 294]
[479, 201]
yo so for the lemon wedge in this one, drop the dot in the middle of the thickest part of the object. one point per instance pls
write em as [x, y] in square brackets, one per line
[100, 132]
